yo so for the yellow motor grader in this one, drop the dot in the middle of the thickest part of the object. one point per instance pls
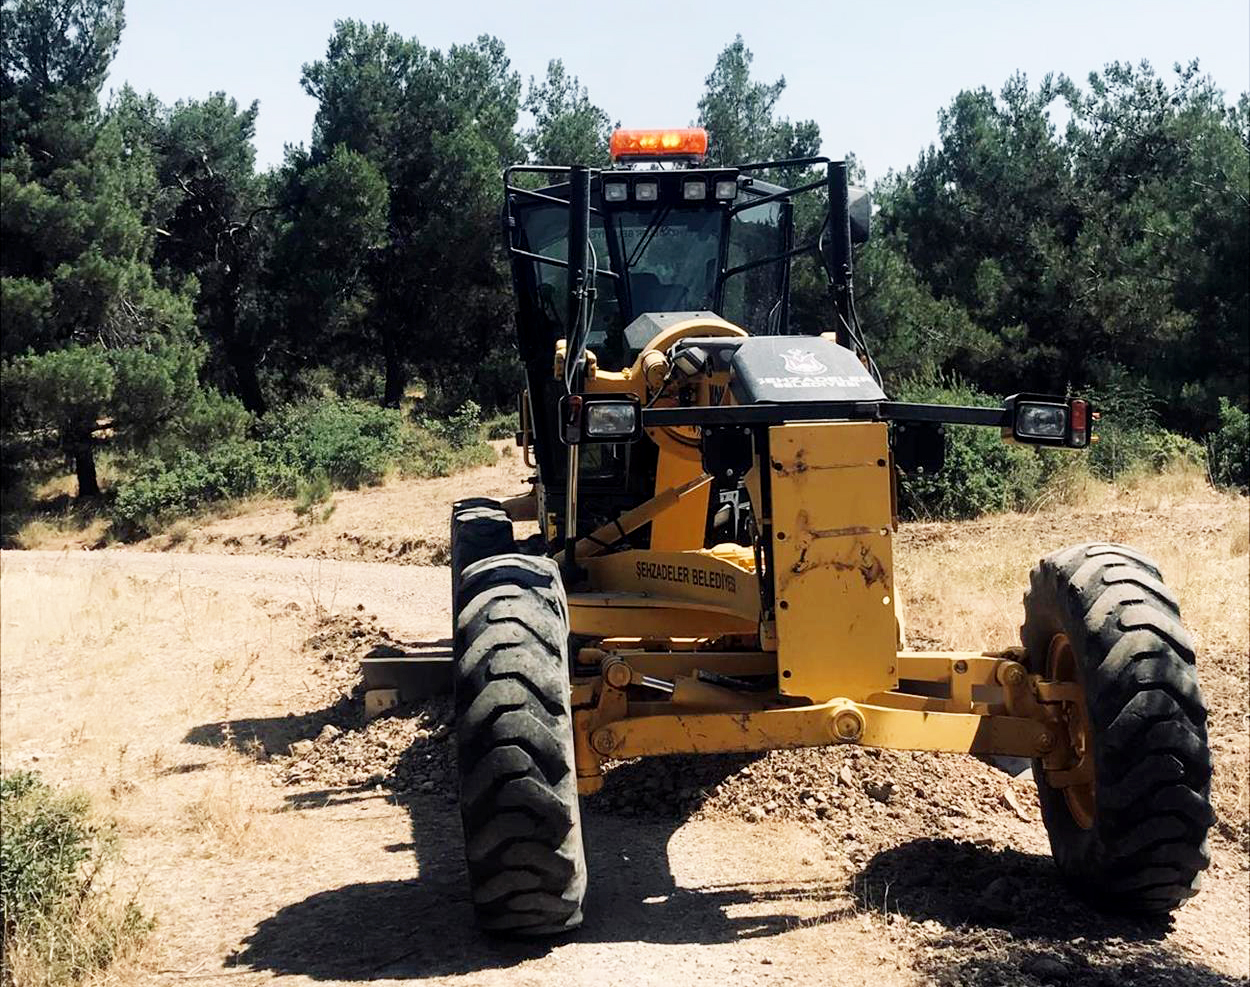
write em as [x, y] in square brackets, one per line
[714, 570]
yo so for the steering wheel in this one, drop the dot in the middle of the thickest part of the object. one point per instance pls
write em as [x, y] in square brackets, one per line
[678, 440]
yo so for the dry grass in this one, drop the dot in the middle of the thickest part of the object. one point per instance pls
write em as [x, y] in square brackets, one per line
[107, 470]
[179, 533]
[68, 530]
[1198, 536]
[106, 942]
[47, 515]
[1073, 486]
[103, 675]
[102, 672]
[230, 817]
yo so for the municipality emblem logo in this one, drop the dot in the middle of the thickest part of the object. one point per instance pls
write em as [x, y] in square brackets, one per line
[803, 362]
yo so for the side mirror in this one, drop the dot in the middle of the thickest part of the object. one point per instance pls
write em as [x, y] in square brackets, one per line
[600, 418]
[1047, 420]
[859, 203]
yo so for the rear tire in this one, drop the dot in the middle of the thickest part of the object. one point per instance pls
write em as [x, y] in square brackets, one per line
[518, 780]
[479, 529]
[1135, 841]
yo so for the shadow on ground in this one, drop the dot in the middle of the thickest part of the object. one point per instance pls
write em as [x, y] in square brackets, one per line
[269, 735]
[995, 916]
[424, 927]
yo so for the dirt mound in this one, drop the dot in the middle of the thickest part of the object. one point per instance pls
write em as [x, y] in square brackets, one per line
[314, 543]
[402, 522]
[815, 784]
[859, 801]
[406, 750]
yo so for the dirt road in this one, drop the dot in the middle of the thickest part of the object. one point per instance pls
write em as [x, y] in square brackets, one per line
[172, 685]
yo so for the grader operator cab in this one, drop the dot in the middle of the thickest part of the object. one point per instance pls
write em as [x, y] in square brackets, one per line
[714, 570]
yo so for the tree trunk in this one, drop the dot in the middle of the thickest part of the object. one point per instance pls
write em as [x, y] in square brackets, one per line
[240, 351]
[242, 358]
[84, 466]
[396, 378]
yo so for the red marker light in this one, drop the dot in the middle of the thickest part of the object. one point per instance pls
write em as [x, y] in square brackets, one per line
[1078, 416]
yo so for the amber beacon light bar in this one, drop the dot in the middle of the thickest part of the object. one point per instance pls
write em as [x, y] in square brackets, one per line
[688, 142]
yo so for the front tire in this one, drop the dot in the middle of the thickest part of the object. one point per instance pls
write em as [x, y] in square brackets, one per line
[1133, 838]
[518, 780]
[479, 529]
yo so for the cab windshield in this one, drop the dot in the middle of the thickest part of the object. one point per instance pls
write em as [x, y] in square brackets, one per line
[668, 260]
[671, 256]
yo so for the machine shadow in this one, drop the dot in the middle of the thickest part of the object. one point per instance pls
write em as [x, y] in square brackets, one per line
[263, 736]
[962, 884]
[983, 899]
[423, 927]
[1028, 964]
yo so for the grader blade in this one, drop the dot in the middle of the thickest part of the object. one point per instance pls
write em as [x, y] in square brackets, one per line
[392, 677]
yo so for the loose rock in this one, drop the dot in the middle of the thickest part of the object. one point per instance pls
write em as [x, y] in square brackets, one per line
[881, 792]
[997, 901]
[1047, 968]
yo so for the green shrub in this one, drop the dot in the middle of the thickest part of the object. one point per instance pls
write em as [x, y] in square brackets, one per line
[1127, 449]
[60, 923]
[430, 454]
[1164, 450]
[349, 442]
[982, 474]
[210, 419]
[460, 429]
[1227, 448]
[502, 426]
[1131, 442]
[305, 451]
[159, 490]
[310, 493]
[45, 838]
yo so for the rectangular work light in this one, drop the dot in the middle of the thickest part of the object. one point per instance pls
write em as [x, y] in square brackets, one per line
[1035, 420]
[600, 418]
[611, 419]
[1047, 420]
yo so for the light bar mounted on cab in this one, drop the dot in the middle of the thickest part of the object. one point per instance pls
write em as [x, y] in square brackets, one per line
[682, 142]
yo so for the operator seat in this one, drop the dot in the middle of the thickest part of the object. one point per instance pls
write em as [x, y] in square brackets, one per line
[648, 293]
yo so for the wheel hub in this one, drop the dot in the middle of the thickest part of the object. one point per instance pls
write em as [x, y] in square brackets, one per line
[1077, 780]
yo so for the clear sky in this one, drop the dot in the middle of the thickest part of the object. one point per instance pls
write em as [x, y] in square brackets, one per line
[872, 75]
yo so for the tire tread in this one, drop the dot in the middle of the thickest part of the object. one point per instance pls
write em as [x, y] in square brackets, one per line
[1147, 848]
[518, 805]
